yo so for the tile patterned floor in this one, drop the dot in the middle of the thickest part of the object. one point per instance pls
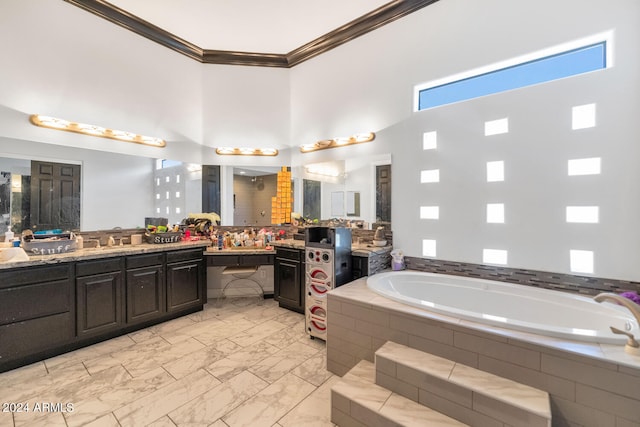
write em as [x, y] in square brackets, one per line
[239, 363]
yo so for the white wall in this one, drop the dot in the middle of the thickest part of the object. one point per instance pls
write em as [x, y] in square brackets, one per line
[66, 62]
[367, 85]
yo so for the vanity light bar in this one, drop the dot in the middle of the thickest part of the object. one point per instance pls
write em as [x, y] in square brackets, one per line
[322, 170]
[338, 142]
[229, 151]
[93, 130]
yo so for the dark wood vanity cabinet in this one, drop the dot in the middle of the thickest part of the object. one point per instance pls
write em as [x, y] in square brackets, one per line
[289, 279]
[145, 288]
[48, 310]
[186, 284]
[99, 296]
[37, 313]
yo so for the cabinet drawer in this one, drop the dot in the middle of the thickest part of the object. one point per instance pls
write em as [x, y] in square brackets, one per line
[36, 335]
[27, 275]
[138, 261]
[25, 302]
[293, 254]
[89, 268]
[214, 260]
[179, 256]
[260, 259]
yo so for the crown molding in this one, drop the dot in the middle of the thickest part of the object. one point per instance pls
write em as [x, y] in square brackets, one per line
[375, 19]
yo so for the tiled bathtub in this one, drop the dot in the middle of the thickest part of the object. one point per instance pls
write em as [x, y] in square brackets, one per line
[590, 384]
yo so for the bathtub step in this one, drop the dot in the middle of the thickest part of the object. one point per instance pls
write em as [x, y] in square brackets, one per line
[467, 394]
[356, 401]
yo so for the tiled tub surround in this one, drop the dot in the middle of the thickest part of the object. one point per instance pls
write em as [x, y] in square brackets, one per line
[542, 279]
[589, 384]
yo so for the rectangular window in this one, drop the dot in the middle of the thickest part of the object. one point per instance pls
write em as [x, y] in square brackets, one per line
[590, 166]
[432, 175]
[544, 66]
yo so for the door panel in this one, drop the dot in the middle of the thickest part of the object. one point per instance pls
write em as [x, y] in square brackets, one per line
[55, 195]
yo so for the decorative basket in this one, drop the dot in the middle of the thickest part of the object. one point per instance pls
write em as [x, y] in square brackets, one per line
[161, 238]
[49, 246]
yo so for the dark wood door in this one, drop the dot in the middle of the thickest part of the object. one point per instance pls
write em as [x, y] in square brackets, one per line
[383, 193]
[99, 300]
[211, 188]
[145, 294]
[311, 198]
[185, 285]
[55, 196]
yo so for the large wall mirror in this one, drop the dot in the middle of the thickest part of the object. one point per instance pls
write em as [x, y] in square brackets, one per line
[353, 189]
[39, 195]
[253, 188]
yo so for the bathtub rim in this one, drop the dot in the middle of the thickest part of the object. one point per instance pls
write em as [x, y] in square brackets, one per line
[511, 324]
[359, 294]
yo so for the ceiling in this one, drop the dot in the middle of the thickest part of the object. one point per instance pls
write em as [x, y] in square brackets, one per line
[269, 26]
[275, 33]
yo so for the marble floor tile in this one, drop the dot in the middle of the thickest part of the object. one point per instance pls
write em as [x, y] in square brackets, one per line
[241, 360]
[91, 352]
[289, 335]
[130, 354]
[94, 406]
[39, 419]
[17, 392]
[202, 358]
[218, 401]
[278, 364]
[108, 420]
[200, 369]
[257, 333]
[6, 419]
[314, 369]
[164, 400]
[141, 365]
[162, 422]
[20, 375]
[268, 406]
[314, 411]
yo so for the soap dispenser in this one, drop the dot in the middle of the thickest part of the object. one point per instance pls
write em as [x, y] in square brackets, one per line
[8, 235]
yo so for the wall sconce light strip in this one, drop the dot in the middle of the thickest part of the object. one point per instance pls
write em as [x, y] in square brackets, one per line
[92, 130]
[229, 151]
[338, 142]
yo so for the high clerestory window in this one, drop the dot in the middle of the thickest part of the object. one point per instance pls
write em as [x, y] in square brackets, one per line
[556, 63]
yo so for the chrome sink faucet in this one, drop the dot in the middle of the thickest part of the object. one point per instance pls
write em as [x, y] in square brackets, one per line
[632, 344]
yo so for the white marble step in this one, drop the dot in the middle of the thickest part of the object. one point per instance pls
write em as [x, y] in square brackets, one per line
[356, 401]
[472, 396]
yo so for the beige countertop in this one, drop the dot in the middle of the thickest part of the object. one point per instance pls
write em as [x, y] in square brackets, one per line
[362, 249]
[239, 251]
[104, 252]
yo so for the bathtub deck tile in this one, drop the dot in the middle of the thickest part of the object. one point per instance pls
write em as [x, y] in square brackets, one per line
[497, 350]
[501, 389]
[467, 386]
[357, 397]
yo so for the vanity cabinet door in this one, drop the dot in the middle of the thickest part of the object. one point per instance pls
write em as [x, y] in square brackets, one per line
[186, 284]
[99, 297]
[146, 298]
[288, 280]
[99, 303]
